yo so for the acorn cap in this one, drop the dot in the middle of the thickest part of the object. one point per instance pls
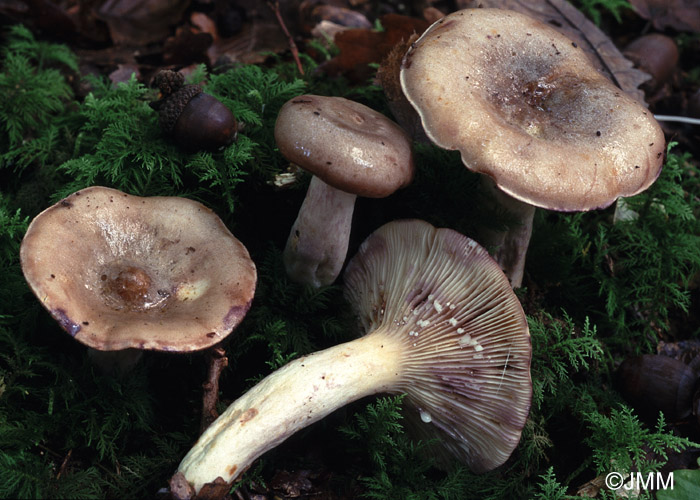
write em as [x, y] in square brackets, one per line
[525, 106]
[120, 271]
[171, 107]
[168, 81]
[347, 145]
[465, 365]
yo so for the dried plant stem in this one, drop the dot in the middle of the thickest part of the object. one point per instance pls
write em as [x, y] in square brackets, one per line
[62, 469]
[275, 6]
[679, 119]
[217, 361]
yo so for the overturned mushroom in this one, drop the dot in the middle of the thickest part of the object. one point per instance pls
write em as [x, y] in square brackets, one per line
[442, 325]
[525, 106]
[352, 151]
[120, 271]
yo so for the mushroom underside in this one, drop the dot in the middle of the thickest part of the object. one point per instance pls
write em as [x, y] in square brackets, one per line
[149, 273]
[443, 326]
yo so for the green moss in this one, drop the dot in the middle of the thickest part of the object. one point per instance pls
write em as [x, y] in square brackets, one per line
[631, 275]
[599, 290]
[597, 9]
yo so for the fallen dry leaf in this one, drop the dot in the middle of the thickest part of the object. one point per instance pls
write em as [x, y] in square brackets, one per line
[312, 13]
[360, 47]
[186, 47]
[681, 15]
[252, 41]
[138, 22]
[655, 54]
[71, 25]
[205, 24]
[251, 46]
[563, 16]
[123, 73]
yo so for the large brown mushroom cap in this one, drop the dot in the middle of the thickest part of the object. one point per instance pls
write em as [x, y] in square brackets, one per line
[466, 358]
[525, 106]
[346, 144]
[120, 271]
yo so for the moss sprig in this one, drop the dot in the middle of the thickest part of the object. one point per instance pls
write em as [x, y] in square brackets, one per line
[621, 442]
[560, 349]
[37, 97]
[402, 468]
[631, 273]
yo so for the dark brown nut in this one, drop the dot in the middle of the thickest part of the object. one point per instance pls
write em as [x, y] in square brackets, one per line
[655, 54]
[195, 120]
[653, 383]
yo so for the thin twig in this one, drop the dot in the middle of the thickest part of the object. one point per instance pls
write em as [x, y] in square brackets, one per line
[62, 469]
[275, 6]
[217, 361]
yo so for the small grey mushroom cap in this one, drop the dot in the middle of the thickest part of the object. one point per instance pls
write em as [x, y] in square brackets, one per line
[119, 271]
[525, 106]
[346, 144]
[467, 357]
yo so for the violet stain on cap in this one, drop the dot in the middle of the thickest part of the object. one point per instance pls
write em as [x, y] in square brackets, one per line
[66, 323]
[236, 314]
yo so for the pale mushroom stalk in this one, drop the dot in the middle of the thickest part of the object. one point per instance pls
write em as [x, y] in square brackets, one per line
[318, 242]
[443, 326]
[302, 392]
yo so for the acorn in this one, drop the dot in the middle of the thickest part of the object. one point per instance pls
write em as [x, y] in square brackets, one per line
[194, 119]
[653, 383]
[655, 54]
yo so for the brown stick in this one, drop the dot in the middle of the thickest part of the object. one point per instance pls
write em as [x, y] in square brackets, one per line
[62, 469]
[275, 6]
[217, 361]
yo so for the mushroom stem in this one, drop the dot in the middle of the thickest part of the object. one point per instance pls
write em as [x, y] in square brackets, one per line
[444, 327]
[318, 242]
[295, 396]
[509, 246]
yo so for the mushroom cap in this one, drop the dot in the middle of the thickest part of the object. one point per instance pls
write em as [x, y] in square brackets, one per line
[119, 271]
[525, 106]
[467, 345]
[346, 144]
